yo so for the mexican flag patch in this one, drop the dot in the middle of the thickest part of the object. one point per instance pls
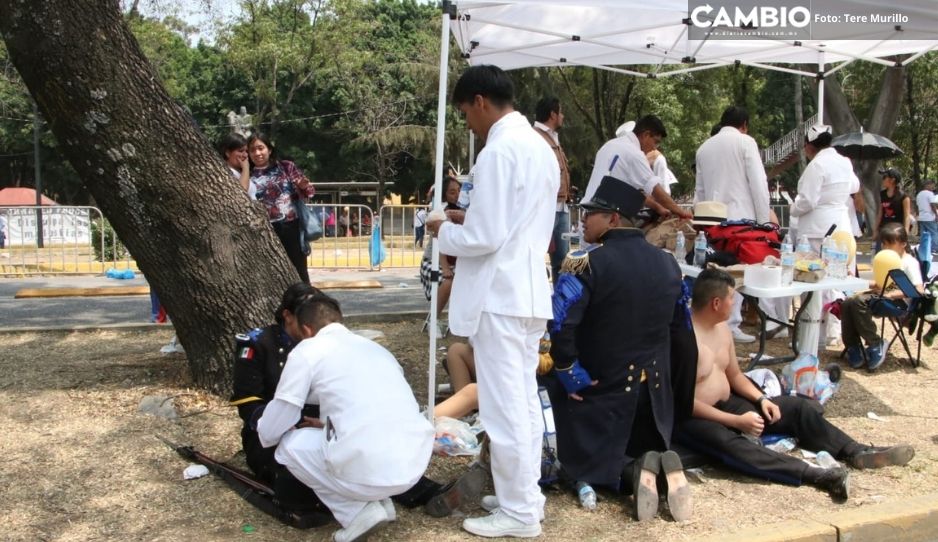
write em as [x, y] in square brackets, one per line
[247, 353]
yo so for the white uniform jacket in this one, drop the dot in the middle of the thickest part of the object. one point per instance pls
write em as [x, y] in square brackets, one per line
[507, 229]
[374, 432]
[823, 191]
[630, 166]
[730, 170]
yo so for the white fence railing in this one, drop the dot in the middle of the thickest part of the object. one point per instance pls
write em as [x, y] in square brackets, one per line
[75, 240]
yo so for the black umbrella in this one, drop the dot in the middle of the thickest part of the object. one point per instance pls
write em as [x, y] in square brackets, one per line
[865, 146]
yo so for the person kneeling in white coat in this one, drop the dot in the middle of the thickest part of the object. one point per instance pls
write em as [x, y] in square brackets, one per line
[370, 441]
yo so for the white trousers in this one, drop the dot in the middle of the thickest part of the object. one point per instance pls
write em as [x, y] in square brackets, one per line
[778, 308]
[506, 356]
[302, 452]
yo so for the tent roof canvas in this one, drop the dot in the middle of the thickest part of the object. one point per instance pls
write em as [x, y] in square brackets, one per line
[517, 34]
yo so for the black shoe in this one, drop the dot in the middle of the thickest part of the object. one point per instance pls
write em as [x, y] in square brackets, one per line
[680, 501]
[645, 485]
[835, 481]
[465, 489]
[875, 457]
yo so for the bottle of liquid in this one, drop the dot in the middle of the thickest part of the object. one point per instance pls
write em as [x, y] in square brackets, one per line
[803, 250]
[826, 460]
[680, 250]
[840, 260]
[700, 250]
[463, 201]
[587, 495]
[788, 260]
[827, 246]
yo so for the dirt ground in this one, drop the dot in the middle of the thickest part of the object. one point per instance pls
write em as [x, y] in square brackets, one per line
[81, 463]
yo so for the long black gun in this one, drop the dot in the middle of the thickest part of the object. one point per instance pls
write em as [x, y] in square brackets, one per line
[250, 489]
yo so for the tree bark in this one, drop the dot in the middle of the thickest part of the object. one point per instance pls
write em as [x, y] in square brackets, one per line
[210, 254]
[885, 113]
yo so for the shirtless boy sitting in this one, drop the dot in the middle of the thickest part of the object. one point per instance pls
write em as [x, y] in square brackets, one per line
[729, 410]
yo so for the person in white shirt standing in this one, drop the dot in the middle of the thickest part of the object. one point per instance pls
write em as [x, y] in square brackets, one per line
[824, 190]
[548, 119]
[370, 441]
[623, 158]
[926, 215]
[501, 295]
[730, 170]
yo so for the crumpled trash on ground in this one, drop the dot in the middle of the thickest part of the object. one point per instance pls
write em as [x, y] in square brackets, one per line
[874, 416]
[370, 334]
[454, 437]
[194, 471]
[158, 405]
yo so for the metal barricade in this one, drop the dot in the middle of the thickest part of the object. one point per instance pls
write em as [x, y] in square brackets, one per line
[346, 237]
[75, 240]
[400, 236]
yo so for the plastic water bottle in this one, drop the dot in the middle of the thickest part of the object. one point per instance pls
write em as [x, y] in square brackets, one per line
[804, 249]
[788, 261]
[841, 255]
[680, 250]
[826, 249]
[826, 460]
[463, 201]
[587, 495]
[700, 250]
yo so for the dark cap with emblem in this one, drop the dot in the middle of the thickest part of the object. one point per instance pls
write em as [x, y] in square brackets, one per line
[616, 196]
[891, 172]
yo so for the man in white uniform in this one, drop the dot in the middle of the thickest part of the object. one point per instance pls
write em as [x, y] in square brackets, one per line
[926, 215]
[623, 157]
[370, 441]
[730, 169]
[501, 295]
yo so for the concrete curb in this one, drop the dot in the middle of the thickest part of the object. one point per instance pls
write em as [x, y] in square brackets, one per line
[913, 519]
[143, 326]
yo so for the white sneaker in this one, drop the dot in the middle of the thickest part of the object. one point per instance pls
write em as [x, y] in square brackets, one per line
[499, 524]
[741, 337]
[389, 509]
[777, 331]
[370, 518]
[490, 504]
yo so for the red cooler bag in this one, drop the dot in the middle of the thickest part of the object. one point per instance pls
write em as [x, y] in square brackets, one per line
[749, 241]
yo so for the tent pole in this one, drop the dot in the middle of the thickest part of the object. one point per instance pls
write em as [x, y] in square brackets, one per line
[438, 200]
[820, 89]
[472, 149]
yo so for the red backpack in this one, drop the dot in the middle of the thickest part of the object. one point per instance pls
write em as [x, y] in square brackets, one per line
[749, 241]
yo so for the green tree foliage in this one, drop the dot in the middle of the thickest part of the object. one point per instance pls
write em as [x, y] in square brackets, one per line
[348, 90]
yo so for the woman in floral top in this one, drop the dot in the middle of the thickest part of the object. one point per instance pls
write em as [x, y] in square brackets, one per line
[280, 185]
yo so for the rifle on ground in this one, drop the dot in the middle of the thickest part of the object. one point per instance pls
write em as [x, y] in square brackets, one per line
[251, 489]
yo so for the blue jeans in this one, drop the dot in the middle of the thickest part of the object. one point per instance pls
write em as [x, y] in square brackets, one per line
[932, 228]
[561, 245]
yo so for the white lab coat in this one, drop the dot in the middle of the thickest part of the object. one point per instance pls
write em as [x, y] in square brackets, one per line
[379, 445]
[507, 229]
[729, 169]
[823, 191]
[631, 165]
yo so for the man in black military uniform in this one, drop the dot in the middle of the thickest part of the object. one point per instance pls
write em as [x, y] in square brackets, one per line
[260, 356]
[613, 311]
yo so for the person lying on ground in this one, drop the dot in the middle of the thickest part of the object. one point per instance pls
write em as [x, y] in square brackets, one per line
[730, 412]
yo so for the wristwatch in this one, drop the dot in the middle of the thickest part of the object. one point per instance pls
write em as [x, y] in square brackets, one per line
[762, 398]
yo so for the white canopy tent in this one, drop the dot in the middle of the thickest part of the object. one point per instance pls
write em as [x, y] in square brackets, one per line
[612, 34]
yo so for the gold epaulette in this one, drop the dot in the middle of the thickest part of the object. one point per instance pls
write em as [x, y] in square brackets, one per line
[577, 261]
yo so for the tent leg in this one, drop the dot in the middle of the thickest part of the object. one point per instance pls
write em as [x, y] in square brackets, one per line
[437, 204]
[820, 89]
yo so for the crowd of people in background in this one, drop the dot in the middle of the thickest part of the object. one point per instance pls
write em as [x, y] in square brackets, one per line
[642, 368]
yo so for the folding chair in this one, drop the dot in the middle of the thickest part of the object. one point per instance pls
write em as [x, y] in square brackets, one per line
[902, 313]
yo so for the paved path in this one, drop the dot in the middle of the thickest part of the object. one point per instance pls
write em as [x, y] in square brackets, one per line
[402, 292]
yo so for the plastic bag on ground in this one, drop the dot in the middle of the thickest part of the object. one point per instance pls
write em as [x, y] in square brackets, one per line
[454, 437]
[802, 376]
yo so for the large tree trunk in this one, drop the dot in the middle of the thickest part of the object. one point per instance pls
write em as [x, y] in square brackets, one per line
[883, 122]
[210, 255]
